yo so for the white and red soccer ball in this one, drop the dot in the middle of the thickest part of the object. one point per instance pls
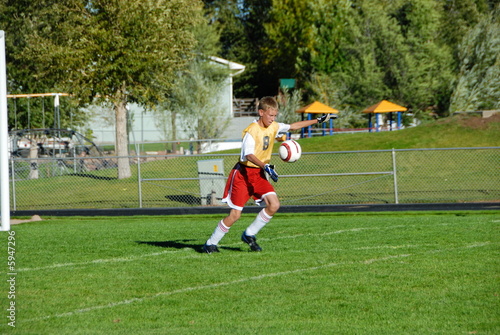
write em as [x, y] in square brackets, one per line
[290, 151]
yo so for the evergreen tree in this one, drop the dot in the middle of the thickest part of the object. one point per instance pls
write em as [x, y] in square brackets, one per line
[354, 51]
[289, 102]
[478, 83]
[243, 40]
[458, 18]
[387, 53]
[426, 75]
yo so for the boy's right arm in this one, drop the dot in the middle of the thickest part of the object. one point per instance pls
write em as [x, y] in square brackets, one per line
[307, 123]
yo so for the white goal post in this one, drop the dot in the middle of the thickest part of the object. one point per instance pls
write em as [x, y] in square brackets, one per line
[4, 138]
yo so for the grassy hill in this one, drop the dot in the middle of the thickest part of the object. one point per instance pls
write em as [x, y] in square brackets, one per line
[427, 175]
[452, 132]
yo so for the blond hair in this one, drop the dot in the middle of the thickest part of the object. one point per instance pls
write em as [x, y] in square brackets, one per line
[268, 103]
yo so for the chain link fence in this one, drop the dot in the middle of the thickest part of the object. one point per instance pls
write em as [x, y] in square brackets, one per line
[318, 178]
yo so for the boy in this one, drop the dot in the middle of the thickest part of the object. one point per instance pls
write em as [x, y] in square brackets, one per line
[248, 177]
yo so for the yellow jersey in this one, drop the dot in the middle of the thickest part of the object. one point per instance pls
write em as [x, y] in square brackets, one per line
[264, 141]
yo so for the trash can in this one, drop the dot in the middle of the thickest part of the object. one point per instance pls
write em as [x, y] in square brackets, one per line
[212, 181]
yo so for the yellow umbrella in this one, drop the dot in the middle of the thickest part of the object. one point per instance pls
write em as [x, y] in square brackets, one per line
[384, 106]
[317, 108]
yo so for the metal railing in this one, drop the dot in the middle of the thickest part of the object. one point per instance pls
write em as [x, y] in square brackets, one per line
[318, 178]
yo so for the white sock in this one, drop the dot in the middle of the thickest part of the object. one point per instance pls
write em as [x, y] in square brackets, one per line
[218, 233]
[260, 221]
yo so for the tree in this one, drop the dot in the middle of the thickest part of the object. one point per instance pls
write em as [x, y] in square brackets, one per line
[290, 30]
[195, 93]
[459, 16]
[289, 102]
[330, 21]
[205, 115]
[353, 77]
[194, 97]
[243, 40]
[381, 52]
[427, 74]
[116, 51]
[15, 18]
[478, 84]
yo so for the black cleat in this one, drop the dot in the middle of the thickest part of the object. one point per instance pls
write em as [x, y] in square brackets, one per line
[210, 248]
[251, 241]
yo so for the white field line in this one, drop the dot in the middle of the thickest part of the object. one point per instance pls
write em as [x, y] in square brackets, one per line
[134, 258]
[98, 261]
[210, 286]
[238, 281]
[355, 230]
[406, 246]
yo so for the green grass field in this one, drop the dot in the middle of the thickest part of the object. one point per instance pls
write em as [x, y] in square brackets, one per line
[373, 273]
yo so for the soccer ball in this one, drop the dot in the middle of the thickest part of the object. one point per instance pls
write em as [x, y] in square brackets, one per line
[290, 151]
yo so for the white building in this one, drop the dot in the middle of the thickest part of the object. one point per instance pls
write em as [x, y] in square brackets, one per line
[145, 127]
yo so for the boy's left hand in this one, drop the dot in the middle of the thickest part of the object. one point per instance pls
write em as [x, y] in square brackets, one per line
[270, 171]
[323, 118]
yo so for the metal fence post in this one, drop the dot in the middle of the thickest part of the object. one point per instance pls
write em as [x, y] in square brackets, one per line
[13, 184]
[395, 176]
[4, 135]
[139, 178]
